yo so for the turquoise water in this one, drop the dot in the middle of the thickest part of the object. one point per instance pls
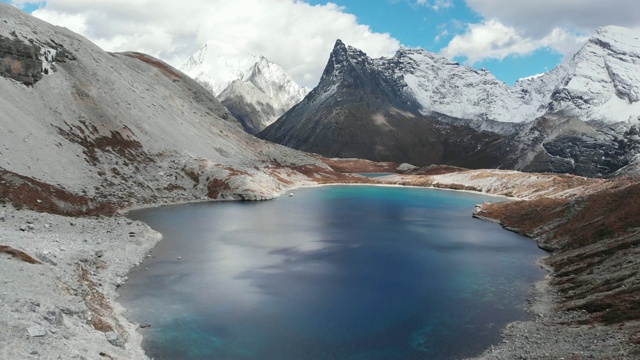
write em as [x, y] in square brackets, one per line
[332, 273]
[374, 175]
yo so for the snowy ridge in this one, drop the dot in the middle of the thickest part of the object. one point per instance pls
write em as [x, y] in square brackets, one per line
[600, 83]
[460, 91]
[273, 81]
[255, 90]
[261, 95]
[215, 65]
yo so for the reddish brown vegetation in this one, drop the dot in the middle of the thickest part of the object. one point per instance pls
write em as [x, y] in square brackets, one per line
[215, 187]
[595, 243]
[96, 302]
[604, 214]
[527, 217]
[4, 249]
[25, 192]
[120, 143]
[154, 62]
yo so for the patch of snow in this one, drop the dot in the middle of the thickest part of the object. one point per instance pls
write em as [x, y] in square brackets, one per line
[217, 64]
[47, 56]
[531, 77]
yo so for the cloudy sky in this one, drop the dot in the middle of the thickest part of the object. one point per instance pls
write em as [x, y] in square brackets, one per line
[512, 38]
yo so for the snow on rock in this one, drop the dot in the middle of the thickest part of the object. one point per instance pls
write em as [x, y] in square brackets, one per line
[449, 88]
[106, 124]
[216, 65]
[600, 83]
[261, 95]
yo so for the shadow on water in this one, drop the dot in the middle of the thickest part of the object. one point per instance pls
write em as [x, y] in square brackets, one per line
[332, 273]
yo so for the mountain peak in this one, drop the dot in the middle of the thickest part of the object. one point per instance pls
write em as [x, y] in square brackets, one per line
[341, 59]
[261, 95]
[216, 64]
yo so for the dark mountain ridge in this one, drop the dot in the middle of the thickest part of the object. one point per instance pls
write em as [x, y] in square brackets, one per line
[419, 108]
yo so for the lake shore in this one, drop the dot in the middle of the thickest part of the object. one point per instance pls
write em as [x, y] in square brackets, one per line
[83, 261]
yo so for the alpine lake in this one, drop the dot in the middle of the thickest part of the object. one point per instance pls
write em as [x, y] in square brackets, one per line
[336, 272]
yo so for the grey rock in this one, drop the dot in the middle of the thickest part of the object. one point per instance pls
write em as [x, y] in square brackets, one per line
[36, 331]
[45, 258]
[54, 317]
[115, 339]
[100, 253]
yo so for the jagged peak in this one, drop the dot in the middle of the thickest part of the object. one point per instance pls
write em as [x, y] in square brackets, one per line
[343, 56]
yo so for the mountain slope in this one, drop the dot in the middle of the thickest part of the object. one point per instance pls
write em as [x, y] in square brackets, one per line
[600, 83]
[261, 96]
[122, 128]
[357, 111]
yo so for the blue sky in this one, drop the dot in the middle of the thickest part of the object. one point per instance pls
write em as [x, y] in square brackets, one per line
[416, 25]
[511, 38]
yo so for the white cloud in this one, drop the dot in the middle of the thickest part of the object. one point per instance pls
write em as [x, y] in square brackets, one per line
[538, 18]
[495, 40]
[444, 33]
[436, 4]
[517, 28]
[292, 33]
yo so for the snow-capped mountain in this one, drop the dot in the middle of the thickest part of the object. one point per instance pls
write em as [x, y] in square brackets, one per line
[255, 90]
[358, 110]
[216, 65]
[592, 99]
[262, 95]
[600, 83]
[440, 85]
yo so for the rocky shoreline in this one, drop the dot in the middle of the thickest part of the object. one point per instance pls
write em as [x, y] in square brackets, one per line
[67, 304]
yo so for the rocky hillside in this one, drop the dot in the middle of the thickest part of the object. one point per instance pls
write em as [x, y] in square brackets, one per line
[580, 118]
[92, 127]
[261, 96]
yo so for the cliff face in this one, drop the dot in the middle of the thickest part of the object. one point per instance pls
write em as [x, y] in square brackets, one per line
[20, 61]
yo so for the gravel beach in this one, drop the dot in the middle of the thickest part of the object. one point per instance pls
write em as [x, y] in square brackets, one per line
[65, 307]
